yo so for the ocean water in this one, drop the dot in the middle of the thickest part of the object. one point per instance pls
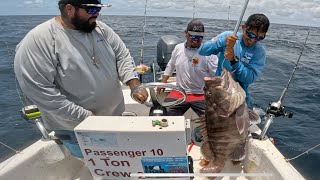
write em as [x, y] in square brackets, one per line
[284, 44]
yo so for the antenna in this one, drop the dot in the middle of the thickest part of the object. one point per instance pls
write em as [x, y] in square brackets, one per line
[228, 18]
[194, 8]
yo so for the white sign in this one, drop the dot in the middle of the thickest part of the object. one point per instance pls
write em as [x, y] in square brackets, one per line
[115, 147]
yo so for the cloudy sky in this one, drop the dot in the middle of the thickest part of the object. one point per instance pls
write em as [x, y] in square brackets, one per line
[298, 12]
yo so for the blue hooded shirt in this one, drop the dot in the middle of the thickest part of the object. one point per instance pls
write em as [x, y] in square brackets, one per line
[250, 64]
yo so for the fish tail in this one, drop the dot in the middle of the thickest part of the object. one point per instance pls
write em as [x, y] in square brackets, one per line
[239, 153]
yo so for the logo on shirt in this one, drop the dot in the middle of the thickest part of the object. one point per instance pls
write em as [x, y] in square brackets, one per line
[195, 61]
[247, 57]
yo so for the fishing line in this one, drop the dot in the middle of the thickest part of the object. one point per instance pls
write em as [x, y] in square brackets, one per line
[302, 153]
[294, 70]
[22, 98]
[16, 151]
[7, 146]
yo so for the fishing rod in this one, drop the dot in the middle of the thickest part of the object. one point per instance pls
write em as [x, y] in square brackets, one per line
[236, 28]
[143, 32]
[240, 18]
[276, 109]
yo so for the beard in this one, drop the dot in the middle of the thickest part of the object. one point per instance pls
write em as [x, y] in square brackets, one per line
[83, 25]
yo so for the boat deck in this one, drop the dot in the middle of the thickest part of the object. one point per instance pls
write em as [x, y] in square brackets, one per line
[51, 161]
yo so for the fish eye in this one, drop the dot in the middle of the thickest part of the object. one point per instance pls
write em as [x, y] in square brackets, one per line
[208, 93]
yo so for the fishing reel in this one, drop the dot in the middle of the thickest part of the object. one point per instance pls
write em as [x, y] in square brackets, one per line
[276, 109]
[32, 113]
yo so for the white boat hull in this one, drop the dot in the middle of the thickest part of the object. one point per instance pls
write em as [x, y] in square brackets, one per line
[47, 160]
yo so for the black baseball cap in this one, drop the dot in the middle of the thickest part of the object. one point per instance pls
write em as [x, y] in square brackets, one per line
[83, 2]
[195, 27]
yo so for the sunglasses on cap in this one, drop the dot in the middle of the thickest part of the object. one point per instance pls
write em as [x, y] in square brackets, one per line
[194, 36]
[89, 9]
[253, 36]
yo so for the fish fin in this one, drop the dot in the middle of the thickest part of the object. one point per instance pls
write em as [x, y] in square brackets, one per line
[254, 118]
[239, 153]
[206, 151]
[237, 99]
[213, 167]
[240, 120]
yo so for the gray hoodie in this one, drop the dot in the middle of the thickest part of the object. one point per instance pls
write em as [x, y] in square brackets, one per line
[55, 71]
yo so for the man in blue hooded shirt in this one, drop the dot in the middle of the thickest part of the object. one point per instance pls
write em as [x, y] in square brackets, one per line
[242, 54]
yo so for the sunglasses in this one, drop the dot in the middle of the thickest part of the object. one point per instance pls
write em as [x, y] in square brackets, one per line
[194, 36]
[253, 36]
[90, 9]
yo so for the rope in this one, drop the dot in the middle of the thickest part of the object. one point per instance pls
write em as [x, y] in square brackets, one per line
[302, 153]
[9, 160]
[9, 147]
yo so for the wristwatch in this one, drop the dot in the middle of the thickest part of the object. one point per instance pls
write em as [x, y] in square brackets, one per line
[234, 60]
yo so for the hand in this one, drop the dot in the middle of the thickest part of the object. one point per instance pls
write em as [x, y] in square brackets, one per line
[229, 52]
[231, 40]
[159, 90]
[141, 95]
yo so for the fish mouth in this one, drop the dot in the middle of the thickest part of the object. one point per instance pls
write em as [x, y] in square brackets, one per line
[224, 85]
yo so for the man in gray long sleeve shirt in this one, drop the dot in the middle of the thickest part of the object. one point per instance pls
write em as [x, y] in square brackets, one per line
[70, 67]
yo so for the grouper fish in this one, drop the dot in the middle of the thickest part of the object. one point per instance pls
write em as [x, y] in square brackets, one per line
[224, 128]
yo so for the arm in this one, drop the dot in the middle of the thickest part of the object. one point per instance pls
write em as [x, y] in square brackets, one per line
[125, 63]
[171, 66]
[214, 46]
[165, 78]
[36, 70]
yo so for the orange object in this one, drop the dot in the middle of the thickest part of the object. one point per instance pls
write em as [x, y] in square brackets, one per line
[272, 140]
[203, 162]
[195, 61]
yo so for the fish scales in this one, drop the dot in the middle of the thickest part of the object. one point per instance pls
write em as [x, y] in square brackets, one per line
[225, 126]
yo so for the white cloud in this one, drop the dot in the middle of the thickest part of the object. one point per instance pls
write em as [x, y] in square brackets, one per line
[303, 12]
[34, 2]
[300, 12]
